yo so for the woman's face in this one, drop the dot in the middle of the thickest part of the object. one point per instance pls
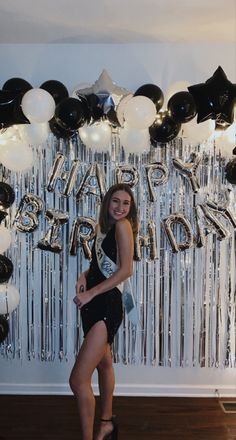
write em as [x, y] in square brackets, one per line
[119, 205]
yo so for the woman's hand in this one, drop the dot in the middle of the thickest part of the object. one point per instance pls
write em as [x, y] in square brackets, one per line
[81, 283]
[80, 288]
[82, 298]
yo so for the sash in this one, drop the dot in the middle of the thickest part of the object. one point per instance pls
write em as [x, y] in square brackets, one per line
[108, 267]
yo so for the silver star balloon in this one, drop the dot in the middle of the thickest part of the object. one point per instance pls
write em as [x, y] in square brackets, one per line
[108, 92]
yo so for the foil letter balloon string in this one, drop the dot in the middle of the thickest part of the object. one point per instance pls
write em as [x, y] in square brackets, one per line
[148, 241]
[127, 174]
[94, 179]
[200, 235]
[50, 241]
[83, 231]
[178, 219]
[211, 218]
[223, 210]
[26, 218]
[157, 174]
[56, 174]
[189, 169]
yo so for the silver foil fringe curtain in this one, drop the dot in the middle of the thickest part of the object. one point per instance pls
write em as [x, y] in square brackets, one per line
[185, 297]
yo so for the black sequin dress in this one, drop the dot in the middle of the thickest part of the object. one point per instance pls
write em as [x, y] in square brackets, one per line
[107, 306]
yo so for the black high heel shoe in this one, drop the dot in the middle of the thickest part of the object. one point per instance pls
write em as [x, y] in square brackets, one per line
[113, 435]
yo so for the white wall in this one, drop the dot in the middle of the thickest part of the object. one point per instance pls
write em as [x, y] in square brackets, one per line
[129, 66]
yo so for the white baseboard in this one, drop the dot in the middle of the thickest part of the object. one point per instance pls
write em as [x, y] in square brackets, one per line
[132, 390]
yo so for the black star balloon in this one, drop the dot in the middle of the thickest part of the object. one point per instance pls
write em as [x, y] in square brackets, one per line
[10, 109]
[215, 99]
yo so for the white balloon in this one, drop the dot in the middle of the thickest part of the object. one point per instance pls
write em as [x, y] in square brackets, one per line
[5, 239]
[139, 112]
[134, 140]
[38, 105]
[96, 136]
[16, 156]
[195, 133]
[34, 133]
[8, 133]
[121, 107]
[225, 140]
[9, 298]
[178, 86]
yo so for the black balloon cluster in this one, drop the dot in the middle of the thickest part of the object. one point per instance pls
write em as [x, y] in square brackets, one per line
[215, 99]
[7, 197]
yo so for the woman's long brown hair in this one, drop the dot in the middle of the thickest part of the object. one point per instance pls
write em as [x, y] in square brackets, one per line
[104, 220]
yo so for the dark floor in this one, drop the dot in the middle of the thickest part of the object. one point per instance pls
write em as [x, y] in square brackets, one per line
[140, 418]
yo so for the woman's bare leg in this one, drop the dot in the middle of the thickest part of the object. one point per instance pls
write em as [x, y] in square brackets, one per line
[90, 354]
[106, 382]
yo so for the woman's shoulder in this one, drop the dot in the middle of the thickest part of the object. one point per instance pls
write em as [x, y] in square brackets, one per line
[123, 225]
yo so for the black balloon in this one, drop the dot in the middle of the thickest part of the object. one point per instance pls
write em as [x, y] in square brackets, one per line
[71, 113]
[215, 99]
[221, 126]
[182, 107]
[6, 269]
[60, 132]
[7, 195]
[164, 129]
[56, 89]
[111, 116]
[3, 215]
[4, 328]
[17, 86]
[152, 92]
[10, 109]
[96, 111]
[230, 171]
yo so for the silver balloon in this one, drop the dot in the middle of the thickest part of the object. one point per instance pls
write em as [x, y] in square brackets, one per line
[83, 231]
[220, 229]
[56, 174]
[149, 241]
[92, 181]
[189, 169]
[26, 218]
[175, 219]
[127, 174]
[50, 241]
[108, 93]
[200, 235]
[157, 174]
[223, 210]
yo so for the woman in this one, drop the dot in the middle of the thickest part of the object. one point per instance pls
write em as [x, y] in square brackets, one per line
[99, 297]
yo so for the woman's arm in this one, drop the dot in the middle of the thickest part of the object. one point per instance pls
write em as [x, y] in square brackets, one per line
[81, 282]
[125, 244]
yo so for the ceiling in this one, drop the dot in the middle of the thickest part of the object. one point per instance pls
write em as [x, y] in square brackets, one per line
[117, 21]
